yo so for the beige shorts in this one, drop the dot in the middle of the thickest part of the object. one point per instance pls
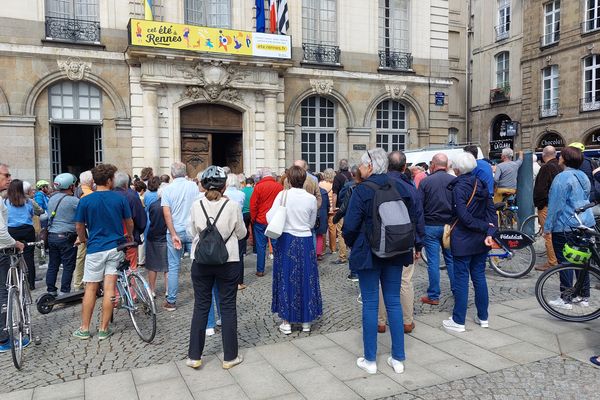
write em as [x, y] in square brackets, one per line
[102, 263]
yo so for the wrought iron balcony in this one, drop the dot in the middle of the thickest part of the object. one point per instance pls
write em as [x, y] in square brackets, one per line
[590, 103]
[590, 25]
[72, 30]
[395, 60]
[549, 110]
[502, 31]
[499, 95]
[550, 39]
[321, 54]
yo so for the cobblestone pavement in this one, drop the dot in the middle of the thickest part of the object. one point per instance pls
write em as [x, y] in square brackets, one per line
[553, 378]
[62, 358]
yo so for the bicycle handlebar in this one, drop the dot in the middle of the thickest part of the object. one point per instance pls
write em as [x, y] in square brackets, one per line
[587, 206]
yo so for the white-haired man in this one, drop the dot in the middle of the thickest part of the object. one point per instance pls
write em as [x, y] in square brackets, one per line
[505, 176]
[176, 201]
[261, 201]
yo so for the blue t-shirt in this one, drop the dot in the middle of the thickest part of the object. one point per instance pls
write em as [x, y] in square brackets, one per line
[19, 216]
[484, 172]
[103, 212]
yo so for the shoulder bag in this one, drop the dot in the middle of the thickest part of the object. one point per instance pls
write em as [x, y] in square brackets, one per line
[449, 228]
[275, 227]
[43, 235]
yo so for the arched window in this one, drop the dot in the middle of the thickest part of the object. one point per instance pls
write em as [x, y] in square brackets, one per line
[392, 126]
[318, 132]
[75, 101]
[215, 13]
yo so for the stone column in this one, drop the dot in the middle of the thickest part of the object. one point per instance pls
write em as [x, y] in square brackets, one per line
[151, 133]
[271, 135]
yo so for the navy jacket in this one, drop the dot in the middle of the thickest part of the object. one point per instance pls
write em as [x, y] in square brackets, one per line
[359, 219]
[137, 212]
[437, 199]
[587, 167]
[323, 213]
[474, 222]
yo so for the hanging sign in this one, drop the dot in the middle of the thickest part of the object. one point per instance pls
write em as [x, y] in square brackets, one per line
[166, 35]
[551, 139]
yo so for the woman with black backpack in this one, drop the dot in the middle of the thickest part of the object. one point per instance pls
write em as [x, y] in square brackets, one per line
[216, 224]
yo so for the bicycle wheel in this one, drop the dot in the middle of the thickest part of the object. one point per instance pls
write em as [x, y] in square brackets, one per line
[573, 308]
[513, 266]
[532, 227]
[143, 311]
[14, 323]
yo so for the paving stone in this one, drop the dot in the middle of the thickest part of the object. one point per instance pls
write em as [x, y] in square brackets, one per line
[453, 369]
[352, 341]
[62, 391]
[173, 388]
[414, 376]
[260, 380]
[523, 352]
[339, 361]
[318, 383]
[314, 343]
[155, 373]
[223, 392]
[286, 357]
[538, 337]
[430, 334]
[375, 386]
[474, 355]
[95, 388]
[20, 395]
[540, 319]
[486, 338]
[209, 376]
[500, 309]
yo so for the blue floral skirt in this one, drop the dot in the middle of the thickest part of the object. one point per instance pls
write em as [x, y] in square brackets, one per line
[296, 289]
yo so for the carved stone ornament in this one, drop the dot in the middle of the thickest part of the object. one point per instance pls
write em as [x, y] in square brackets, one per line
[215, 81]
[396, 92]
[322, 86]
[74, 68]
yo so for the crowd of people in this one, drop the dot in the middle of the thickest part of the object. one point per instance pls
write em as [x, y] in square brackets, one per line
[377, 216]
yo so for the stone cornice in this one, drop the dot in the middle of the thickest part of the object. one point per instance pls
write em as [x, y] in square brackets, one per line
[8, 49]
[17, 120]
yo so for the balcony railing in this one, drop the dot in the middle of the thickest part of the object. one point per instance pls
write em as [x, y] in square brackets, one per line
[72, 30]
[499, 96]
[395, 60]
[502, 31]
[549, 110]
[590, 103]
[321, 54]
[590, 25]
[550, 39]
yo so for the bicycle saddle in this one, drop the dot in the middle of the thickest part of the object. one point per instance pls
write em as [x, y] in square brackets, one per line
[127, 246]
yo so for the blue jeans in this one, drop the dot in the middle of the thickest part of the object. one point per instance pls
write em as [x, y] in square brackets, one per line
[390, 278]
[559, 239]
[212, 321]
[463, 267]
[261, 246]
[61, 251]
[174, 260]
[433, 243]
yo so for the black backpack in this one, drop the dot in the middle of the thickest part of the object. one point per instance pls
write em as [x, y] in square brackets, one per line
[211, 249]
[393, 232]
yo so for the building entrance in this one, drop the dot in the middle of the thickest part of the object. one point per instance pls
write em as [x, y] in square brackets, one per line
[211, 134]
[75, 148]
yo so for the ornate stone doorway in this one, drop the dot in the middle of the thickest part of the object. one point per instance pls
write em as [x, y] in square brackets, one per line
[211, 134]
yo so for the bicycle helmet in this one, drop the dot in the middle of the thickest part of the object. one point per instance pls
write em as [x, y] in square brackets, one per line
[64, 181]
[213, 178]
[578, 145]
[576, 254]
[41, 183]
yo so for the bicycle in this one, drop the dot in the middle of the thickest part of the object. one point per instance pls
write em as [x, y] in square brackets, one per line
[134, 295]
[577, 303]
[532, 224]
[18, 303]
[507, 212]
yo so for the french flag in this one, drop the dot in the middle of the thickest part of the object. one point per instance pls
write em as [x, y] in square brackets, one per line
[273, 16]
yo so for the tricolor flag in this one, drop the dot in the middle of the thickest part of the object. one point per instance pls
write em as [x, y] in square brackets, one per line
[148, 15]
[260, 15]
[273, 16]
[283, 17]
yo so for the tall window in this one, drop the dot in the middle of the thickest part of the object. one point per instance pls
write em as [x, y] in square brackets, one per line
[591, 83]
[551, 22]
[75, 101]
[394, 25]
[502, 70]
[318, 132]
[592, 15]
[215, 13]
[503, 28]
[391, 126]
[136, 9]
[319, 23]
[549, 91]
[85, 10]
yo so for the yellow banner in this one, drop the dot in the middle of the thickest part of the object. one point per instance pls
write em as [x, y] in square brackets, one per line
[167, 35]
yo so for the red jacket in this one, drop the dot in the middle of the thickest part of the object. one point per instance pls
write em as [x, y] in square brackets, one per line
[262, 199]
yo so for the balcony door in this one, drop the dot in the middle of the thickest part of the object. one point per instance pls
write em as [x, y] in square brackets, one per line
[83, 10]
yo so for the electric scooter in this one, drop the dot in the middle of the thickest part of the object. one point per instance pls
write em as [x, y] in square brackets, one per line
[46, 302]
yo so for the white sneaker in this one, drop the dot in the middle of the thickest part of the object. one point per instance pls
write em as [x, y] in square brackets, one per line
[306, 327]
[369, 367]
[218, 322]
[560, 303]
[210, 331]
[193, 363]
[286, 329]
[452, 326]
[270, 256]
[581, 301]
[483, 324]
[398, 366]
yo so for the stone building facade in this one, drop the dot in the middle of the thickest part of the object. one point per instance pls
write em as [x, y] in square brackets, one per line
[497, 99]
[561, 68]
[360, 75]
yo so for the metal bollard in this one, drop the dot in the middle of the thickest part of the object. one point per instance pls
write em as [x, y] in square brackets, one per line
[525, 190]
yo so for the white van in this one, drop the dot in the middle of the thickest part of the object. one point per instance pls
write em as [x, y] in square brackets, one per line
[425, 155]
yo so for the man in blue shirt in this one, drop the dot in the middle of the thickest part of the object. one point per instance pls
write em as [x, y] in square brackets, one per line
[104, 213]
[483, 170]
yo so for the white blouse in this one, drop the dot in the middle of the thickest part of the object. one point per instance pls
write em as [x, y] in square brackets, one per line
[301, 211]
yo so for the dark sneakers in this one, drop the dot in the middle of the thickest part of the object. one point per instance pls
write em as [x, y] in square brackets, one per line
[169, 306]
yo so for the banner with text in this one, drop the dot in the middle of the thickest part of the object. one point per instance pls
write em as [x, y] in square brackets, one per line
[166, 35]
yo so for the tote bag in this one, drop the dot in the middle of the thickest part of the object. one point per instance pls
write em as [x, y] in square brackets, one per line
[275, 227]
